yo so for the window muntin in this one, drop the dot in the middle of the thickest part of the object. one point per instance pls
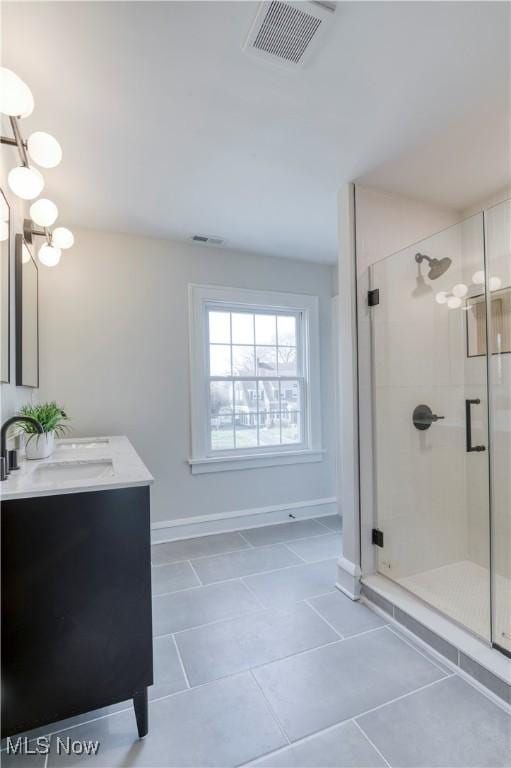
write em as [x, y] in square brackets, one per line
[256, 387]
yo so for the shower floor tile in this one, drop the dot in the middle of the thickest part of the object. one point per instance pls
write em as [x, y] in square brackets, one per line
[462, 591]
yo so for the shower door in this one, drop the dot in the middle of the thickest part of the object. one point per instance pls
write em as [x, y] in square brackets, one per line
[431, 438]
[498, 261]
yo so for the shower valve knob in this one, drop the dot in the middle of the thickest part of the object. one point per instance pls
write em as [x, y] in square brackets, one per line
[423, 417]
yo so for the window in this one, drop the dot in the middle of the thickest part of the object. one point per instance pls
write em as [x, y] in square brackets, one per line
[255, 377]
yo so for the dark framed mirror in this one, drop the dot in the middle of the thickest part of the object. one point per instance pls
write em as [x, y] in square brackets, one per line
[5, 302]
[27, 316]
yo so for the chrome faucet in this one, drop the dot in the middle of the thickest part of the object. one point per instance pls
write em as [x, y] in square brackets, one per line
[4, 469]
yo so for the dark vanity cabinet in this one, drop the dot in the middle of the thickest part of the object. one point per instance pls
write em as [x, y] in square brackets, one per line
[76, 606]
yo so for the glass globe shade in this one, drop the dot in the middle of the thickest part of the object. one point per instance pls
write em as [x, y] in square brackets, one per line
[478, 277]
[15, 96]
[26, 182]
[460, 290]
[44, 149]
[495, 283]
[441, 297]
[49, 255]
[453, 302]
[62, 237]
[43, 212]
[4, 231]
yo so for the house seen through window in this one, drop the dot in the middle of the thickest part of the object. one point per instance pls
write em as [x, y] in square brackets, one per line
[256, 382]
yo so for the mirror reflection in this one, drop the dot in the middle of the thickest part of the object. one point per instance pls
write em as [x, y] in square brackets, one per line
[4, 287]
[27, 328]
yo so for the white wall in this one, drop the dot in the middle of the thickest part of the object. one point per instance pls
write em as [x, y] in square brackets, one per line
[114, 351]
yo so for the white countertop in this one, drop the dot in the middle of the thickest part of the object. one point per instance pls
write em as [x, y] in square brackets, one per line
[78, 465]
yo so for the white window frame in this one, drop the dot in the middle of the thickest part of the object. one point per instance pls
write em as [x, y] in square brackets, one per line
[203, 298]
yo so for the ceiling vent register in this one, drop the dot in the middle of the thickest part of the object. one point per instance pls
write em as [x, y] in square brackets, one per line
[288, 32]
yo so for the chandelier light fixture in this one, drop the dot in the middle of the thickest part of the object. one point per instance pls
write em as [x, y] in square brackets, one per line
[25, 180]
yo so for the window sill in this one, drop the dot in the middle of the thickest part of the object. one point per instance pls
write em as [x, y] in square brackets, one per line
[254, 461]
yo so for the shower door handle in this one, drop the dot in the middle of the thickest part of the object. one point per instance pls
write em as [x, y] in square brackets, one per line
[468, 425]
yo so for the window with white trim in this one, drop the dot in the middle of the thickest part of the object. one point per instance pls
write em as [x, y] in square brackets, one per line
[255, 378]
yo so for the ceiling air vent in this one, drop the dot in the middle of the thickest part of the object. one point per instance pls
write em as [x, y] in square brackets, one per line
[288, 32]
[207, 240]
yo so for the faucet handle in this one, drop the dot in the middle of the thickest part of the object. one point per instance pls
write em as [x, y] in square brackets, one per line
[12, 460]
[3, 468]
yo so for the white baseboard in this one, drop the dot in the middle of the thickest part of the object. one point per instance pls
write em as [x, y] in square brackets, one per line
[225, 522]
[348, 578]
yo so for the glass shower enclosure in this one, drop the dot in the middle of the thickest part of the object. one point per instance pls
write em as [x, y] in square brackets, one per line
[441, 388]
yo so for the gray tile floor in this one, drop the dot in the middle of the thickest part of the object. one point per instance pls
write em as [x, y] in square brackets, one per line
[258, 660]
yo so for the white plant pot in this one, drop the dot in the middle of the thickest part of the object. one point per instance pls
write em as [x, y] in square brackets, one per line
[40, 446]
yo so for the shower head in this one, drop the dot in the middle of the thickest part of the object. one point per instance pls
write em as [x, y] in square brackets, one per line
[437, 267]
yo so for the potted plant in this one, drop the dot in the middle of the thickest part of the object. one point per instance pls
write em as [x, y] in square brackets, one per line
[52, 418]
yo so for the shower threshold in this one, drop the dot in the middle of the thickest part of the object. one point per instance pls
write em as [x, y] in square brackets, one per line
[461, 590]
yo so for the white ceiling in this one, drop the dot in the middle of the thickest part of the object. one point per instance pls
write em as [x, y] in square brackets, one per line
[169, 129]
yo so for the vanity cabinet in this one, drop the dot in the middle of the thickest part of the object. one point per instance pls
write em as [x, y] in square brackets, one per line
[76, 605]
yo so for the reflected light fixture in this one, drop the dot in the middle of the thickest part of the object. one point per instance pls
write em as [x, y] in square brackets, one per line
[50, 252]
[478, 277]
[441, 297]
[454, 302]
[460, 290]
[16, 98]
[43, 212]
[25, 182]
[44, 149]
[49, 255]
[495, 283]
[62, 237]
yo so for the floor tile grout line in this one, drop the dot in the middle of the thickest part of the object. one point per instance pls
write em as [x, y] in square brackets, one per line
[253, 594]
[201, 583]
[239, 615]
[324, 524]
[209, 623]
[351, 719]
[240, 549]
[364, 734]
[297, 538]
[181, 662]
[270, 709]
[249, 575]
[286, 546]
[404, 696]
[246, 540]
[422, 652]
[264, 664]
[306, 601]
[200, 557]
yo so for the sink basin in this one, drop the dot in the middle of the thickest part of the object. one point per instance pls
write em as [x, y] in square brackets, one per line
[73, 471]
[81, 444]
